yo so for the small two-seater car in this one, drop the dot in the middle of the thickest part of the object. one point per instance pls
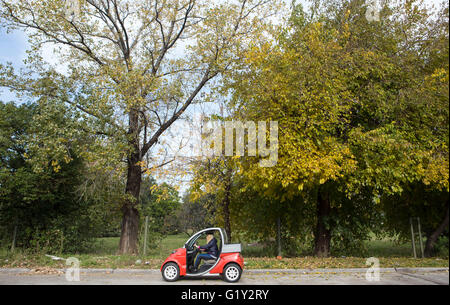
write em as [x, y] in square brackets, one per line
[229, 263]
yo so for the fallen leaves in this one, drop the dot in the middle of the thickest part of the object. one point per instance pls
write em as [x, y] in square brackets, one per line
[43, 271]
[311, 263]
[40, 263]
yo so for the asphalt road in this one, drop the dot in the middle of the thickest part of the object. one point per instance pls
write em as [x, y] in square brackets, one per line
[388, 276]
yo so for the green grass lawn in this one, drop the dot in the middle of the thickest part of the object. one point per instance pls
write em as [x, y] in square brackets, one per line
[104, 255]
[376, 247]
[109, 245]
[389, 248]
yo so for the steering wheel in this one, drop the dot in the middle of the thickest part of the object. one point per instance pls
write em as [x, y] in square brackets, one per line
[192, 249]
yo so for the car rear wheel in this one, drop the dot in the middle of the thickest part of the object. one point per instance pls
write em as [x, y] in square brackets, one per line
[171, 272]
[232, 273]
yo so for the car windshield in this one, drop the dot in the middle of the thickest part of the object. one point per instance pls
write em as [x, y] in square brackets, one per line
[201, 240]
[194, 240]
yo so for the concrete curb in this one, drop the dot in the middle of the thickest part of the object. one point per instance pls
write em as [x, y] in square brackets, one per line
[249, 271]
[348, 270]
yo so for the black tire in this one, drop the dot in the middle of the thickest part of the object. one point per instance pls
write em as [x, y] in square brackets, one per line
[231, 273]
[170, 272]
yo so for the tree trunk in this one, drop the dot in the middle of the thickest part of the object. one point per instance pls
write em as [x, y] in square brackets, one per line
[431, 240]
[130, 219]
[129, 234]
[322, 234]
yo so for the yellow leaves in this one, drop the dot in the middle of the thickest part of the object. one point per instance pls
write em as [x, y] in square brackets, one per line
[437, 173]
[439, 74]
[67, 159]
[141, 164]
[56, 166]
[302, 87]
[313, 263]
[154, 187]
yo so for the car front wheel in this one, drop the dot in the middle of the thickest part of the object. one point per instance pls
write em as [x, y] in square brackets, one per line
[171, 272]
[232, 273]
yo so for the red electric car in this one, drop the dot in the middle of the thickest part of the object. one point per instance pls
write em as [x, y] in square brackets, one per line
[228, 265]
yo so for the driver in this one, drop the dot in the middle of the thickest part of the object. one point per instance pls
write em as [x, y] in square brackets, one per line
[210, 248]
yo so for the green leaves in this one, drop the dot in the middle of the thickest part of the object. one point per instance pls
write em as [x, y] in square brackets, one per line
[362, 107]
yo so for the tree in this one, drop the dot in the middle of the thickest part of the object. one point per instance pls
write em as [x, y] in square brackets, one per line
[216, 176]
[284, 228]
[403, 153]
[42, 206]
[348, 95]
[195, 215]
[159, 202]
[301, 85]
[417, 200]
[132, 68]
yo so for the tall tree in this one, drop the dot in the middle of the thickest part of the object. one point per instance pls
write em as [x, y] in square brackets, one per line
[403, 146]
[131, 67]
[216, 176]
[302, 86]
[348, 94]
[43, 207]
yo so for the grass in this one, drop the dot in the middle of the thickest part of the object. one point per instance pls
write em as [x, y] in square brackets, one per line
[104, 255]
[388, 248]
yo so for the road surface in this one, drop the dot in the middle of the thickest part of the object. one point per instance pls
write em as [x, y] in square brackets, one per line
[387, 276]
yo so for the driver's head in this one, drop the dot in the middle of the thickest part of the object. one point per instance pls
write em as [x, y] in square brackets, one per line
[209, 236]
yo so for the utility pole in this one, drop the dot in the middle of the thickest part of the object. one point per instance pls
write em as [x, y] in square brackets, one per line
[145, 235]
[13, 245]
[279, 235]
[411, 221]
[412, 237]
[420, 237]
